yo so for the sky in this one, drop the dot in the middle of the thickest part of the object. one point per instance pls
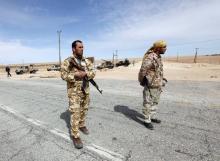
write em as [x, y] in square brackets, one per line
[28, 28]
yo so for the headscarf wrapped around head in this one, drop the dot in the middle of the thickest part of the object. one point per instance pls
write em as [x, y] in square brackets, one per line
[159, 44]
[156, 44]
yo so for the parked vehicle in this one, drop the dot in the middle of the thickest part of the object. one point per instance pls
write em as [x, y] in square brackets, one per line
[54, 68]
[26, 69]
[106, 64]
[126, 63]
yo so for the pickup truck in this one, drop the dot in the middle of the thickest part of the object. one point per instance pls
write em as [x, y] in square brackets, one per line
[54, 68]
[26, 69]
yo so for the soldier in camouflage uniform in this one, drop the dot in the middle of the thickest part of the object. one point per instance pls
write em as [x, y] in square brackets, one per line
[77, 92]
[151, 78]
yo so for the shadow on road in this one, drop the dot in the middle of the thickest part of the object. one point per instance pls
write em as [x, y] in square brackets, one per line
[129, 113]
[66, 117]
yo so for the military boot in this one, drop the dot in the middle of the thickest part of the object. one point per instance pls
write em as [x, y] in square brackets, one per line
[84, 130]
[156, 121]
[148, 125]
[77, 143]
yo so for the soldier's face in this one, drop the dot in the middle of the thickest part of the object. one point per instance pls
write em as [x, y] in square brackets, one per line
[162, 50]
[79, 49]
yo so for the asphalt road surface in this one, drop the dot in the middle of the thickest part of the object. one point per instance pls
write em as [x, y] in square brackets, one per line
[34, 122]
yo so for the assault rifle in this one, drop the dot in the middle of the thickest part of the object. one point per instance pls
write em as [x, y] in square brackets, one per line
[73, 63]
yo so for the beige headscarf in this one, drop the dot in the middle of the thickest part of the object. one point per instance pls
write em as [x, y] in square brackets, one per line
[156, 44]
[159, 44]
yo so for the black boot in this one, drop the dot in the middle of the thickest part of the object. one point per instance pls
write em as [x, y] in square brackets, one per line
[156, 121]
[148, 125]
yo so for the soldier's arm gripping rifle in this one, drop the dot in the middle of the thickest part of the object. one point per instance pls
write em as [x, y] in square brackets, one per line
[73, 63]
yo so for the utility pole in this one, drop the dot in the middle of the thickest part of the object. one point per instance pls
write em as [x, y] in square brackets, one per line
[177, 57]
[59, 32]
[195, 58]
[115, 56]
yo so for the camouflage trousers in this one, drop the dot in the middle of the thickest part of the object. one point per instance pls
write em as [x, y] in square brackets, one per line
[78, 107]
[151, 97]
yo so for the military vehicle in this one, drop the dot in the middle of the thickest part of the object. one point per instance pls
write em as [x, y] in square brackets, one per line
[26, 69]
[54, 68]
[105, 64]
[126, 63]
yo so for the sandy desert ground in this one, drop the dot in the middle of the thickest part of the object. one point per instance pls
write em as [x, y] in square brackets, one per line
[207, 69]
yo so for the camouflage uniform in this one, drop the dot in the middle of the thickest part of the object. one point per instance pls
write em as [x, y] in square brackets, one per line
[152, 70]
[78, 97]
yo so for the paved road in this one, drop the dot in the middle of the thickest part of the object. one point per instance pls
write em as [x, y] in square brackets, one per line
[34, 122]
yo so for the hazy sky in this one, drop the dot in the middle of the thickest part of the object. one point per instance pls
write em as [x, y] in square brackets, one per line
[28, 28]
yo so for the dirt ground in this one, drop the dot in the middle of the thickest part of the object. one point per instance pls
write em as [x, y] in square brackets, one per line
[173, 70]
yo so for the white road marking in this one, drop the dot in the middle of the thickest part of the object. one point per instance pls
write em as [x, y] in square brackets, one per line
[35, 122]
[61, 134]
[92, 148]
[105, 152]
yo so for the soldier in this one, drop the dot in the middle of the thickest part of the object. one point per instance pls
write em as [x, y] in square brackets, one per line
[7, 69]
[77, 89]
[151, 78]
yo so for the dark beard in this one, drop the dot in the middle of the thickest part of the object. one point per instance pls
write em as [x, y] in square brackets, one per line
[78, 56]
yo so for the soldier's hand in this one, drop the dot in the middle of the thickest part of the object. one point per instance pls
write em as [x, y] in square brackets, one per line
[164, 82]
[164, 79]
[80, 75]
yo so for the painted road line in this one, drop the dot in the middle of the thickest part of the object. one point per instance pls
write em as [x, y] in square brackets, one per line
[102, 152]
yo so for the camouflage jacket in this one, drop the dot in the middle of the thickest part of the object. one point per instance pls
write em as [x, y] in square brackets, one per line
[152, 70]
[74, 86]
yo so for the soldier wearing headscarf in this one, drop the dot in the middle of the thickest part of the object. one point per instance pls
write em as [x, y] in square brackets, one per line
[151, 78]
